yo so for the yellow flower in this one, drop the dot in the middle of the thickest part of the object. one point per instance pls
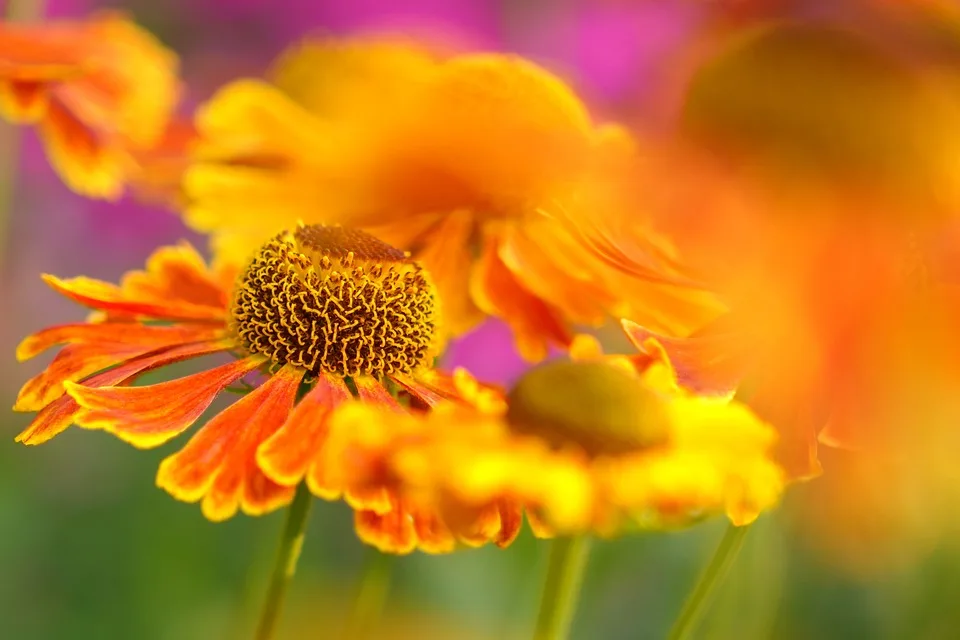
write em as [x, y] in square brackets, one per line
[592, 445]
[320, 314]
[485, 167]
[100, 91]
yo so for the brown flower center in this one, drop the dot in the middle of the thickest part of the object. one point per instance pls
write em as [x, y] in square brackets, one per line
[599, 407]
[336, 300]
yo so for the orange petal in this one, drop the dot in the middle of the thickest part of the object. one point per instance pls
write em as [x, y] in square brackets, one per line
[442, 254]
[392, 532]
[511, 520]
[376, 499]
[535, 325]
[178, 273]
[219, 462]
[108, 297]
[58, 415]
[117, 333]
[433, 536]
[71, 364]
[498, 522]
[710, 361]
[418, 391]
[23, 101]
[287, 455]
[150, 415]
[87, 161]
[372, 392]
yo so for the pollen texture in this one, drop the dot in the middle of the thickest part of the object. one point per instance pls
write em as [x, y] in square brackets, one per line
[335, 300]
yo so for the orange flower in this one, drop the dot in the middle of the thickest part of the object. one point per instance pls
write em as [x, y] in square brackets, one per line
[99, 92]
[593, 446]
[486, 167]
[808, 157]
[324, 313]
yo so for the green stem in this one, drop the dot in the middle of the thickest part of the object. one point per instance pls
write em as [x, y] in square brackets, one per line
[286, 565]
[699, 599]
[371, 594]
[561, 587]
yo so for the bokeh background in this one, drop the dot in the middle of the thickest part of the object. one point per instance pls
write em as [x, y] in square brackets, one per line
[90, 548]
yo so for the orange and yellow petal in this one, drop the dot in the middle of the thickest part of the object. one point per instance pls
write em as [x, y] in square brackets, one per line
[496, 291]
[85, 160]
[290, 454]
[116, 333]
[59, 414]
[402, 528]
[218, 465]
[176, 285]
[73, 363]
[147, 416]
[98, 89]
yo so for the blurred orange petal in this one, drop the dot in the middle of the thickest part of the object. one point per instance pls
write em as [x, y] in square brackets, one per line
[496, 291]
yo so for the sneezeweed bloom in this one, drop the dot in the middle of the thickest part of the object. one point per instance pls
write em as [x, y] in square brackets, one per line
[826, 225]
[325, 313]
[602, 445]
[485, 167]
[99, 91]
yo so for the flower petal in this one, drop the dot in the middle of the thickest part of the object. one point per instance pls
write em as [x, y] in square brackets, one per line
[117, 333]
[111, 298]
[71, 364]
[177, 273]
[372, 392]
[709, 362]
[87, 163]
[287, 455]
[392, 532]
[219, 464]
[150, 415]
[59, 414]
[496, 290]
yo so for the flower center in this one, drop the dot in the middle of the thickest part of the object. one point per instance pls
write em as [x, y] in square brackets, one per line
[336, 300]
[594, 405]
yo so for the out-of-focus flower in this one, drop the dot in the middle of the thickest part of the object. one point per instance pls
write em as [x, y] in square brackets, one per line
[818, 186]
[99, 91]
[483, 166]
[316, 307]
[591, 445]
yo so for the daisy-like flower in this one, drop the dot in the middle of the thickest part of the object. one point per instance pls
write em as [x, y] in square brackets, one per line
[100, 91]
[324, 313]
[485, 167]
[604, 445]
[830, 234]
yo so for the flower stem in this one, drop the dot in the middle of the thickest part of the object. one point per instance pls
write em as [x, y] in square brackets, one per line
[286, 565]
[371, 594]
[561, 587]
[699, 599]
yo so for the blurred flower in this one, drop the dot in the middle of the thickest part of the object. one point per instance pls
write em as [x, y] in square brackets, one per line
[818, 189]
[483, 166]
[100, 91]
[592, 445]
[316, 307]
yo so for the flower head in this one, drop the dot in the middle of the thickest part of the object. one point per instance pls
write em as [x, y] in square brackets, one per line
[585, 446]
[818, 225]
[100, 92]
[485, 167]
[319, 315]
